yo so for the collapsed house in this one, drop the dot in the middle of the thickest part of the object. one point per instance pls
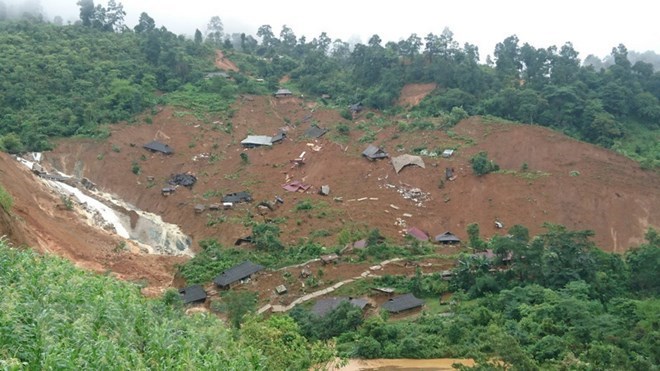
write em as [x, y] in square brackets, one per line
[237, 197]
[156, 146]
[417, 233]
[373, 153]
[185, 179]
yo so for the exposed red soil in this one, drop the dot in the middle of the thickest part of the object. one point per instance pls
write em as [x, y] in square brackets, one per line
[224, 63]
[611, 195]
[412, 94]
[39, 220]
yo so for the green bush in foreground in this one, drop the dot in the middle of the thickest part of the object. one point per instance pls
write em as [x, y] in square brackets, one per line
[56, 316]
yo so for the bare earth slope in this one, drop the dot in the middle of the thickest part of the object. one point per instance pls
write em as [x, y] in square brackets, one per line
[39, 220]
[572, 183]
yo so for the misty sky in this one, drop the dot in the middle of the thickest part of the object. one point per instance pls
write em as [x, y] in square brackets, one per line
[594, 27]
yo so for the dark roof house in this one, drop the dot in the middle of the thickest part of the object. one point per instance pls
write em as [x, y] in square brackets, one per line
[402, 303]
[372, 152]
[157, 146]
[327, 305]
[447, 238]
[237, 273]
[192, 294]
[315, 132]
[211, 75]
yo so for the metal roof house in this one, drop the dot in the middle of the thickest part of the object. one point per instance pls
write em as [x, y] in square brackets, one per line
[237, 273]
[283, 93]
[402, 303]
[327, 305]
[447, 238]
[257, 140]
[157, 146]
[372, 152]
[192, 294]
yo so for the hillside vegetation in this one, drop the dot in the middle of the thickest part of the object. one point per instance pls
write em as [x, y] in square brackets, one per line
[56, 316]
[68, 80]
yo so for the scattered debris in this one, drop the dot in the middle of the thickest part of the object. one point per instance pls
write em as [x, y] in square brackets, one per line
[243, 240]
[331, 258]
[394, 207]
[296, 186]
[166, 191]
[414, 194]
[499, 224]
[447, 153]
[338, 199]
[305, 272]
[406, 215]
[449, 174]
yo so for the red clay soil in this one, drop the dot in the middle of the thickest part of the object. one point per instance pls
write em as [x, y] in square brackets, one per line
[224, 63]
[39, 220]
[569, 182]
[412, 94]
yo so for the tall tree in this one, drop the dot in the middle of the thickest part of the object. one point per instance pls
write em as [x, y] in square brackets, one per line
[86, 12]
[145, 23]
[214, 31]
[507, 63]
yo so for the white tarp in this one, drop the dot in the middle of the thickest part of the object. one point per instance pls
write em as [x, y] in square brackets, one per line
[402, 161]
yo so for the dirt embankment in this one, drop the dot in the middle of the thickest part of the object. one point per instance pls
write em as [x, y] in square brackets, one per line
[567, 182]
[40, 220]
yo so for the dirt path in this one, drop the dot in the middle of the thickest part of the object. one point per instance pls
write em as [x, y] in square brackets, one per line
[223, 63]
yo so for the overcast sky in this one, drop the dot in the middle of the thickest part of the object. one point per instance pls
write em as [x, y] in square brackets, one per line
[594, 27]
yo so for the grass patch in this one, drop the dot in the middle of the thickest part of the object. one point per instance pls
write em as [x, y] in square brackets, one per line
[6, 201]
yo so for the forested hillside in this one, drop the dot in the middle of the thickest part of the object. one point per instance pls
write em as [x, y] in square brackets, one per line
[68, 80]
